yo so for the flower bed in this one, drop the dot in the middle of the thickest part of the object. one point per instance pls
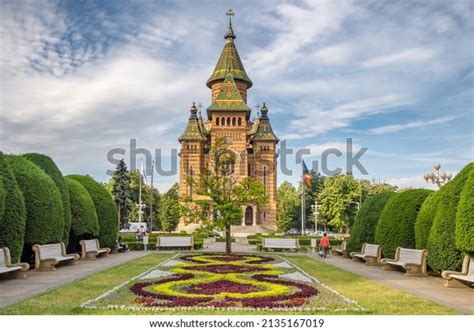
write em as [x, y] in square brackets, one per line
[220, 281]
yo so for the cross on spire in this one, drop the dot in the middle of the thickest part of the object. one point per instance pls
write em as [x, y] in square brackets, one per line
[230, 13]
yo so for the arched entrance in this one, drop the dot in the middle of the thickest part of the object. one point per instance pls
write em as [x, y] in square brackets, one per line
[248, 216]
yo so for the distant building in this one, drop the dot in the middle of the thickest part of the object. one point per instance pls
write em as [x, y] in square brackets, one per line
[229, 117]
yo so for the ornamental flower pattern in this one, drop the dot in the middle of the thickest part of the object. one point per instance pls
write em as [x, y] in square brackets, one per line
[222, 282]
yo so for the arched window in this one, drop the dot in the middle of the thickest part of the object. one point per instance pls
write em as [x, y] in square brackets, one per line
[228, 121]
[265, 179]
[218, 121]
[190, 181]
[234, 121]
[240, 121]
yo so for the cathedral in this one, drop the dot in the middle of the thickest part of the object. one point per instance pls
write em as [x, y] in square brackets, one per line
[229, 117]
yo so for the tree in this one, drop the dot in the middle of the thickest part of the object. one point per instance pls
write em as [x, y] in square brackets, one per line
[224, 194]
[119, 186]
[105, 208]
[338, 200]
[170, 209]
[287, 206]
[13, 213]
[374, 187]
[147, 195]
[49, 167]
[465, 218]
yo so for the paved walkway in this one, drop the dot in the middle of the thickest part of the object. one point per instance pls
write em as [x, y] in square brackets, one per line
[13, 290]
[431, 288]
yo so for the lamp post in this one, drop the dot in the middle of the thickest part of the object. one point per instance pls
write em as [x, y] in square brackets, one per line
[436, 177]
[315, 208]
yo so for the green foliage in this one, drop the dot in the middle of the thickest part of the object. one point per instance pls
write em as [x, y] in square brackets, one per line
[465, 218]
[170, 210]
[287, 206]
[44, 208]
[443, 254]
[425, 219]
[12, 212]
[46, 164]
[119, 186]
[363, 230]
[337, 200]
[105, 208]
[85, 224]
[396, 225]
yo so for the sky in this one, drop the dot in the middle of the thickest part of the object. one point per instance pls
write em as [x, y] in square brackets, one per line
[80, 78]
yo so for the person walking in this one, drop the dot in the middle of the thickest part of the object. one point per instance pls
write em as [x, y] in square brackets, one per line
[324, 245]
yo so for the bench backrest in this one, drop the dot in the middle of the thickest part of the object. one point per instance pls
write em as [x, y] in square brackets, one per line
[470, 271]
[91, 245]
[280, 242]
[175, 241]
[371, 249]
[50, 250]
[3, 259]
[411, 255]
[343, 245]
[314, 242]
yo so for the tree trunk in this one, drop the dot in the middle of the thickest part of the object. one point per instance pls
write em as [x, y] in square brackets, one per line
[228, 240]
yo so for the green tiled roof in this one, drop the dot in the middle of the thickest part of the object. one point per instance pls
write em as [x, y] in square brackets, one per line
[193, 130]
[264, 129]
[229, 97]
[229, 60]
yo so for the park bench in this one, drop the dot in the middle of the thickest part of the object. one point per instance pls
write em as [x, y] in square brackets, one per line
[176, 241]
[370, 253]
[341, 250]
[17, 270]
[280, 243]
[412, 260]
[457, 278]
[90, 249]
[49, 255]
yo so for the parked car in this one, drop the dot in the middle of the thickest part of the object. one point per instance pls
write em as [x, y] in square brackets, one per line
[292, 232]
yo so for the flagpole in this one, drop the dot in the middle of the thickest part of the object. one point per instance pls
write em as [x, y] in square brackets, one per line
[151, 196]
[302, 197]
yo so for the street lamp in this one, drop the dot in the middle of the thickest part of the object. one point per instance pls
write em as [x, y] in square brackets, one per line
[436, 177]
[316, 209]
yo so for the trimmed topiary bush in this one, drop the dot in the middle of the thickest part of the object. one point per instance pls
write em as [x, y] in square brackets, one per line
[48, 166]
[363, 230]
[425, 219]
[465, 218]
[85, 224]
[105, 208]
[13, 213]
[442, 251]
[44, 208]
[396, 226]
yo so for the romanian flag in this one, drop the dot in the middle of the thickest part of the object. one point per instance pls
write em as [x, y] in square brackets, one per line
[306, 174]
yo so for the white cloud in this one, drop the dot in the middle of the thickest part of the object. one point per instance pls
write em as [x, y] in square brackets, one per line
[335, 54]
[415, 124]
[413, 55]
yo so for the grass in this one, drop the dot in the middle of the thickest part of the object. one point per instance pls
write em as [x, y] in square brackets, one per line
[378, 299]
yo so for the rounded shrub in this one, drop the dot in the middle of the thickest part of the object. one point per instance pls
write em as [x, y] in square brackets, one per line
[425, 219]
[396, 226]
[465, 218]
[363, 230]
[44, 208]
[13, 213]
[47, 165]
[442, 251]
[84, 221]
[105, 208]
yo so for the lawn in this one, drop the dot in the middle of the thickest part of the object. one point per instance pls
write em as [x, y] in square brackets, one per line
[374, 297]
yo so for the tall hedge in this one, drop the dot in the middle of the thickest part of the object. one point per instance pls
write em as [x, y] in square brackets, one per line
[44, 208]
[441, 246]
[13, 215]
[84, 221]
[465, 218]
[396, 226]
[363, 230]
[47, 165]
[424, 220]
[105, 208]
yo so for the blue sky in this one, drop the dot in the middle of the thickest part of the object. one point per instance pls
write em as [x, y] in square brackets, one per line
[79, 78]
